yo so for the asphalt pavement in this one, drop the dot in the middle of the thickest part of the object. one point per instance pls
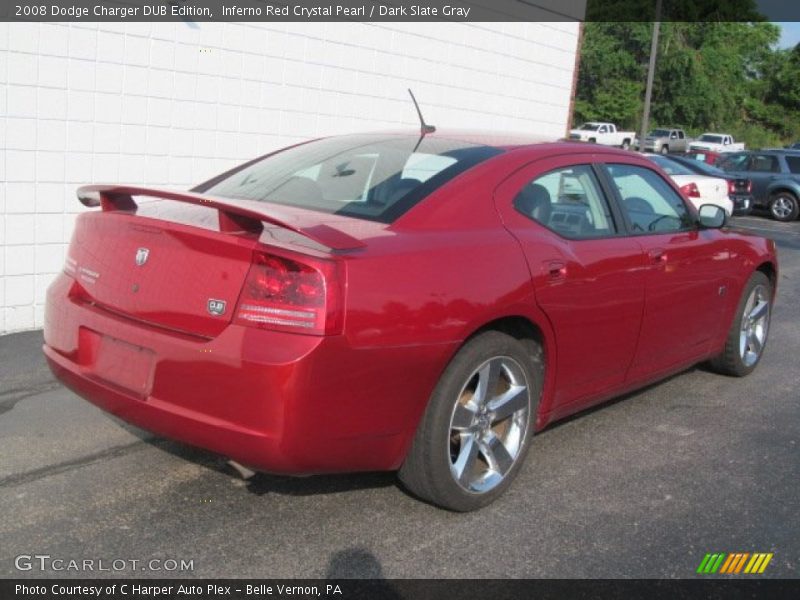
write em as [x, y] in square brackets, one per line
[641, 487]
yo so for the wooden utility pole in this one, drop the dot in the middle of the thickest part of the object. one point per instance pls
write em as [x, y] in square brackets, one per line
[651, 71]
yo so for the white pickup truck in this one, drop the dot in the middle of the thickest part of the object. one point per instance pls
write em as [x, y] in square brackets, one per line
[715, 142]
[602, 133]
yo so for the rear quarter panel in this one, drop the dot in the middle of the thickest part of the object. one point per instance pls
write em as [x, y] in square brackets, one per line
[435, 277]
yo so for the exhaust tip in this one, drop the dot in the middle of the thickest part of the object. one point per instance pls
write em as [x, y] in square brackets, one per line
[241, 470]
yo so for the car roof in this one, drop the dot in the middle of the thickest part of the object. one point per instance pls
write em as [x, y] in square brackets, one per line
[506, 141]
[771, 151]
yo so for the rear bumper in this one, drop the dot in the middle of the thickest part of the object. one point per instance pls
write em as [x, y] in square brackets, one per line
[249, 446]
[278, 402]
[742, 204]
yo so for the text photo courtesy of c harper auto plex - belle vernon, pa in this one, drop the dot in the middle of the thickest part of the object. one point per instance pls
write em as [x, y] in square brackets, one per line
[399, 300]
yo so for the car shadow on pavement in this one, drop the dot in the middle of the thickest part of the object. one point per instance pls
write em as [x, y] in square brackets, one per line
[606, 404]
[264, 483]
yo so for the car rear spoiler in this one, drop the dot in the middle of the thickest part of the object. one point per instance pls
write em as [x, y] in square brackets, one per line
[235, 216]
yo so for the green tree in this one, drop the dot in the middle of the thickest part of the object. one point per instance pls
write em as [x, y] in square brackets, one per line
[712, 75]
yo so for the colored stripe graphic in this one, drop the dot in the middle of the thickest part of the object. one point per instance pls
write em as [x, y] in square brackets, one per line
[734, 563]
[740, 564]
[728, 563]
[711, 563]
[731, 564]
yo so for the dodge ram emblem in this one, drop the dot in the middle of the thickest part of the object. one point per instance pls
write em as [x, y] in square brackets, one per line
[141, 256]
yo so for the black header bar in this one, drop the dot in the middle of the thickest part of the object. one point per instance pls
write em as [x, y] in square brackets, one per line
[200, 11]
[396, 589]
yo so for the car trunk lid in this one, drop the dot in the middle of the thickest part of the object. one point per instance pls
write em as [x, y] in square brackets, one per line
[180, 267]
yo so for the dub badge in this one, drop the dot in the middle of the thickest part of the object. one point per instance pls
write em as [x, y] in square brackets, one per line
[216, 307]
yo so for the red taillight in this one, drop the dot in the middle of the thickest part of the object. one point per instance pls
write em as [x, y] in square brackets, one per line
[731, 187]
[690, 190]
[749, 186]
[287, 295]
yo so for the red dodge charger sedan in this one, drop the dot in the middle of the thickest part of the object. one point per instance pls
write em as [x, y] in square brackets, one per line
[400, 302]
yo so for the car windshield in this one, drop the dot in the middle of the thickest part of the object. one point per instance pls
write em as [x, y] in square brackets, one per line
[590, 127]
[670, 166]
[713, 139]
[373, 177]
[704, 168]
[659, 133]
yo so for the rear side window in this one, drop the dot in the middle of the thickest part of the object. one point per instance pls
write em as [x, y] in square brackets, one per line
[649, 202]
[373, 177]
[568, 201]
[764, 163]
[793, 163]
[733, 162]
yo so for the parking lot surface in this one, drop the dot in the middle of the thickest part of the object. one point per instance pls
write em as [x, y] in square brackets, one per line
[641, 487]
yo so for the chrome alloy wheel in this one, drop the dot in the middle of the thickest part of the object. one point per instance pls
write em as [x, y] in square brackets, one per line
[489, 424]
[782, 207]
[755, 324]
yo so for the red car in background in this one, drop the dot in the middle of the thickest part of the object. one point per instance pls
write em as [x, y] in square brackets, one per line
[400, 302]
[705, 156]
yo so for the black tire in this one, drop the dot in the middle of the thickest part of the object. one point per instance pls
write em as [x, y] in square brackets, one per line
[592, 141]
[731, 361]
[783, 206]
[664, 150]
[428, 471]
[626, 144]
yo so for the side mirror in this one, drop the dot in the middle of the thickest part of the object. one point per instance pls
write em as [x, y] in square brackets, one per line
[712, 216]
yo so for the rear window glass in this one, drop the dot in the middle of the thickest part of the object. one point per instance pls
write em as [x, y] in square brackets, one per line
[374, 177]
[704, 168]
[794, 163]
[670, 166]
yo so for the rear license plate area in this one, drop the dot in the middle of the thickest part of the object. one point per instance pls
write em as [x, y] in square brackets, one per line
[118, 363]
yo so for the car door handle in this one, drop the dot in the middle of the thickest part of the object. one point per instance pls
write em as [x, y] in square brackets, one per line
[657, 255]
[555, 269]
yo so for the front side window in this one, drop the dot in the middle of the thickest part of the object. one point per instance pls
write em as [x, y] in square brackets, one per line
[373, 177]
[568, 201]
[649, 202]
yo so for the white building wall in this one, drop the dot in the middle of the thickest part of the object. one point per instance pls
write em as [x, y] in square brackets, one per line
[173, 104]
